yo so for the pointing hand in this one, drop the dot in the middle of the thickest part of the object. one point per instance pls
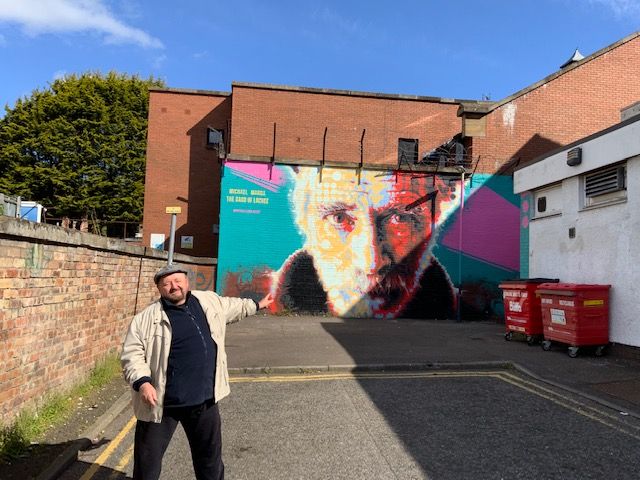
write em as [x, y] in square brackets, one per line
[266, 301]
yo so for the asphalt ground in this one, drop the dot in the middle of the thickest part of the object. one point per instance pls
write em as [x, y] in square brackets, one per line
[330, 398]
[480, 424]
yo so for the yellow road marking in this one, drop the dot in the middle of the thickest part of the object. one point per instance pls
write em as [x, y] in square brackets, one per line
[578, 410]
[568, 399]
[107, 451]
[312, 377]
[124, 461]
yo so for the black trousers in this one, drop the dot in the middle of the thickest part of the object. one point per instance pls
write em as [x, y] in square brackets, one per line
[202, 425]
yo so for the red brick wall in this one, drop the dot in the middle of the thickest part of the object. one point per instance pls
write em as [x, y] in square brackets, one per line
[583, 100]
[301, 116]
[66, 299]
[181, 170]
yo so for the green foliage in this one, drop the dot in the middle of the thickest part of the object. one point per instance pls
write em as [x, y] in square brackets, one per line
[78, 147]
[29, 425]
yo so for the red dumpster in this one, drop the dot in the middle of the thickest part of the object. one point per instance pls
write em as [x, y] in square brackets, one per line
[576, 315]
[522, 308]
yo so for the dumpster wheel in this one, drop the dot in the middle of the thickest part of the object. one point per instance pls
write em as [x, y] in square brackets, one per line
[532, 340]
[573, 352]
[508, 336]
[600, 350]
[546, 345]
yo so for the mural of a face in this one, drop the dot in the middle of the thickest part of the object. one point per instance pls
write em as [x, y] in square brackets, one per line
[370, 236]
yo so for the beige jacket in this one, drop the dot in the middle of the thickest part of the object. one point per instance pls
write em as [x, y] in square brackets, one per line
[145, 352]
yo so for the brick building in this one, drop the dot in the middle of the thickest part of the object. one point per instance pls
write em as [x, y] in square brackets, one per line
[234, 162]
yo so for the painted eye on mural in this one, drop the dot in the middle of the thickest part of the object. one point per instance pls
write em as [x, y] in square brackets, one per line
[340, 219]
[398, 219]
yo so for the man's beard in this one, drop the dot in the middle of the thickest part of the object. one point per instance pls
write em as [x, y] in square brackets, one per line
[382, 297]
[175, 296]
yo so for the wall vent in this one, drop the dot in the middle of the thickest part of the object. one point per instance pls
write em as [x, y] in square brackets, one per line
[605, 181]
[574, 157]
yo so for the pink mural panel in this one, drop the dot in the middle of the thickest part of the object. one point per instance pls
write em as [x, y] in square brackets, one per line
[490, 230]
[264, 175]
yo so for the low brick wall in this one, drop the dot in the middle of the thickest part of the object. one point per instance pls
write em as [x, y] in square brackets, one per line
[66, 299]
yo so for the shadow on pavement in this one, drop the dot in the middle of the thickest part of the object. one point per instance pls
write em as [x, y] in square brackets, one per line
[474, 427]
[80, 468]
[34, 461]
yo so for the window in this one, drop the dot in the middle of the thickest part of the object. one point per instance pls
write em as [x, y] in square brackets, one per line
[548, 201]
[605, 185]
[407, 150]
[215, 139]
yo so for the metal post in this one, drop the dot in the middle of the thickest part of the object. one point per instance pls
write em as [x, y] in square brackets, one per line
[364, 130]
[324, 151]
[174, 211]
[458, 314]
[172, 238]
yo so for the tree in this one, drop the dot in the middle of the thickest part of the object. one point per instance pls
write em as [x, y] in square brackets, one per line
[78, 147]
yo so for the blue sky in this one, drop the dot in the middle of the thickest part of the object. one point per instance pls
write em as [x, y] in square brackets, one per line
[466, 49]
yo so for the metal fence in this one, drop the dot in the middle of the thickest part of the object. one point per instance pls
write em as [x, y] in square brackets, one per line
[9, 206]
[129, 231]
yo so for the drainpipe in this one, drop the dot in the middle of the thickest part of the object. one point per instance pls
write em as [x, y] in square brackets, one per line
[459, 293]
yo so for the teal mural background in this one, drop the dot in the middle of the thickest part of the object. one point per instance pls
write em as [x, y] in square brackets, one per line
[253, 241]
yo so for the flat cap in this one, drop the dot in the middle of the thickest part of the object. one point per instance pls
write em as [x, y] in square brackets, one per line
[168, 270]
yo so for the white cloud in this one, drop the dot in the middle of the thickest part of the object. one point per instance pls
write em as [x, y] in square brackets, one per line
[47, 16]
[332, 20]
[199, 55]
[621, 8]
[158, 61]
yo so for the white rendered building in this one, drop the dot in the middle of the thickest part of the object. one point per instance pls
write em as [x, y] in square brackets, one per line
[583, 222]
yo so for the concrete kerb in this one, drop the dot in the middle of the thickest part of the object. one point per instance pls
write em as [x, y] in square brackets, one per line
[593, 398]
[91, 436]
[363, 368]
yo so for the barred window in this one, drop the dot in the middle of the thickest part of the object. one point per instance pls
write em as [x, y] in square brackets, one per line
[407, 150]
[214, 136]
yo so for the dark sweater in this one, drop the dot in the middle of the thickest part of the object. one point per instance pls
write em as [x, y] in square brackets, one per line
[192, 358]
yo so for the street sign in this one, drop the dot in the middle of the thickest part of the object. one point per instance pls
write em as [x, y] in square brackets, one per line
[173, 210]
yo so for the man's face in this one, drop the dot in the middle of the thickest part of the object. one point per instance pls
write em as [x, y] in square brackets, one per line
[368, 248]
[174, 288]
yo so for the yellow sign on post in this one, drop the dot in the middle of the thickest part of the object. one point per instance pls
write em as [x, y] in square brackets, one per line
[173, 210]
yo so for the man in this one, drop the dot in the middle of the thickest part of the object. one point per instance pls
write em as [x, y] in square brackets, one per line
[368, 245]
[174, 358]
